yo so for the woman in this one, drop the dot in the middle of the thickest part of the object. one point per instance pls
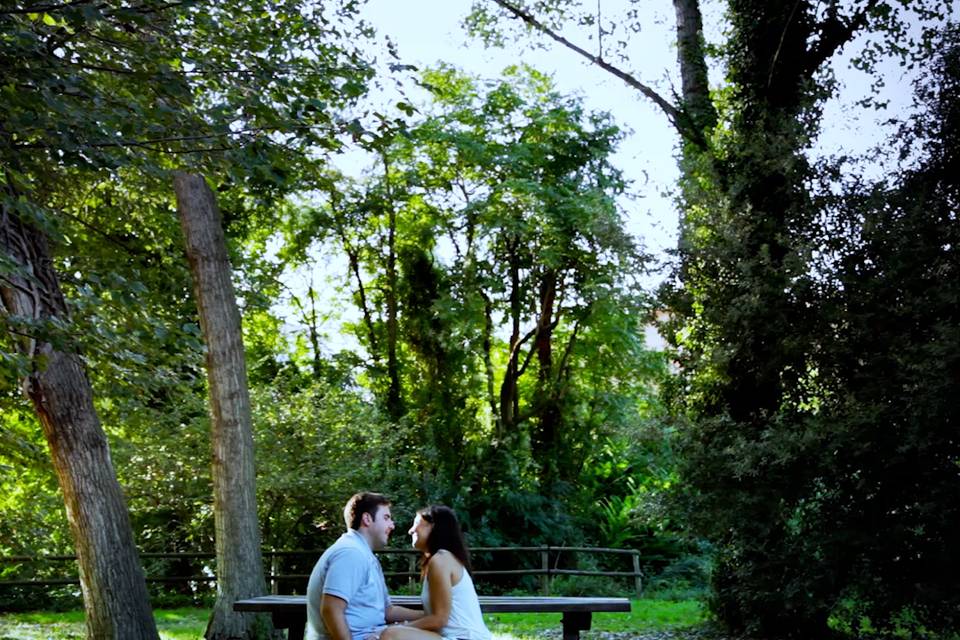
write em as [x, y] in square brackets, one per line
[450, 605]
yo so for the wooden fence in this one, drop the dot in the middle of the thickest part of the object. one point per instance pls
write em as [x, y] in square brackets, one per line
[546, 571]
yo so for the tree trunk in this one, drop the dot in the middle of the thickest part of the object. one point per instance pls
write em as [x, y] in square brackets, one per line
[697, 104]
[314, 333]
[509, 401]
[546, 438]
[394, 393]
[239, 564]
[111, 577]
[488, 368]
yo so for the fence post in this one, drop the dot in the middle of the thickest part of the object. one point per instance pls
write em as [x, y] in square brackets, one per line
[545, 566]
[274, 572]
[637, 579]
[411, 567]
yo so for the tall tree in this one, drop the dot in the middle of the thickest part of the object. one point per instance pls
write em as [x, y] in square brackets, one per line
[54, 379]
[891, 298]
[239, 563]
[46, 118]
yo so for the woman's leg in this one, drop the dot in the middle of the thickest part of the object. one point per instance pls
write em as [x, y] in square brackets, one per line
[400, 632]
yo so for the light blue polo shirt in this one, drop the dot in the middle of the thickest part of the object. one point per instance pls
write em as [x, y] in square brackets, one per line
[349, 571]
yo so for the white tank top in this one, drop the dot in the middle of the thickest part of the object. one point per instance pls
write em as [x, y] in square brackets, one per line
[465, 619]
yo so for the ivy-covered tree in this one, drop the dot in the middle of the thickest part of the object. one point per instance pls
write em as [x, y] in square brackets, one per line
[888, 369]
[747, 309]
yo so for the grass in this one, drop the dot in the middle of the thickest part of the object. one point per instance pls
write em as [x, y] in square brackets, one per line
[189, 624]
[645, 614]
[173, 624]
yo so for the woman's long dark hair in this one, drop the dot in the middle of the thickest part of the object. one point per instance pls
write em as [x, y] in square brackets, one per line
[445, 534]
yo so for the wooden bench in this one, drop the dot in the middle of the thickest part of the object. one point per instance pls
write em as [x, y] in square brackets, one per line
[290, 612]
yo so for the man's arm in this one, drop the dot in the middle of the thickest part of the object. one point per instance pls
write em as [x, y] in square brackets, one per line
[332, 611]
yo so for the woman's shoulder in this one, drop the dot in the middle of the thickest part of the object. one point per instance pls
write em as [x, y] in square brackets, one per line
[444, 565]
[442, 561]
[443, 557]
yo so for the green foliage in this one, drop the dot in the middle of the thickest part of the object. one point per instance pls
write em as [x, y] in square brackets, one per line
[101, 102]
[316, 445]
[492, 217]
[616, 514]
[891, 373]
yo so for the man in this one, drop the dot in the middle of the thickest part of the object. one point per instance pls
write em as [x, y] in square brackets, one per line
[347, 597]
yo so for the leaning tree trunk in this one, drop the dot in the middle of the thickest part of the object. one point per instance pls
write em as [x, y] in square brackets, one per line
[111, 578]
[239, 564]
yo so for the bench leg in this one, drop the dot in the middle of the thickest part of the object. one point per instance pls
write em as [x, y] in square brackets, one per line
[574, 622]
[294, 624]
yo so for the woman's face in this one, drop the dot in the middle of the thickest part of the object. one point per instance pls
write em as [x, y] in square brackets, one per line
[420, 533]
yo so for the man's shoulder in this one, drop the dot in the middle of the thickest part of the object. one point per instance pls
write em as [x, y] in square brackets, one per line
[347, 552]
[347, 547]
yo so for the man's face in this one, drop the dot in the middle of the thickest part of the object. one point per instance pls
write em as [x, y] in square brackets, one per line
[381, 525]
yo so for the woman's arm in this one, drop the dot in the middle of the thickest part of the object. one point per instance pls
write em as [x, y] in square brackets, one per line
[440, 573]
[396, 613]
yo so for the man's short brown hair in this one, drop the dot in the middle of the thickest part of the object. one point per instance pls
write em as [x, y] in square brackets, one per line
[361, 503]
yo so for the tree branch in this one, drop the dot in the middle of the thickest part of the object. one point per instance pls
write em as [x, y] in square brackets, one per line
[783, 36]
[107, 236]
[533, 347]
[146, 144]
[697, 103]
[565, 360]
[354, 260]
[145, 10]
[516, 348]
[672, 112]
[834, 33]
[142, 9]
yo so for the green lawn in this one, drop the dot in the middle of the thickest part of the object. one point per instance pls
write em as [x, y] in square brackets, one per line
[189, 624]
[174, 624]
[645, 615]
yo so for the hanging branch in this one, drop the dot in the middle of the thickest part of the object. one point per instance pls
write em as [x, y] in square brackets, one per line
[672, 112]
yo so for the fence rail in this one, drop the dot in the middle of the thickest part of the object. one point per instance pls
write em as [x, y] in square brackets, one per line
[275, 576]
